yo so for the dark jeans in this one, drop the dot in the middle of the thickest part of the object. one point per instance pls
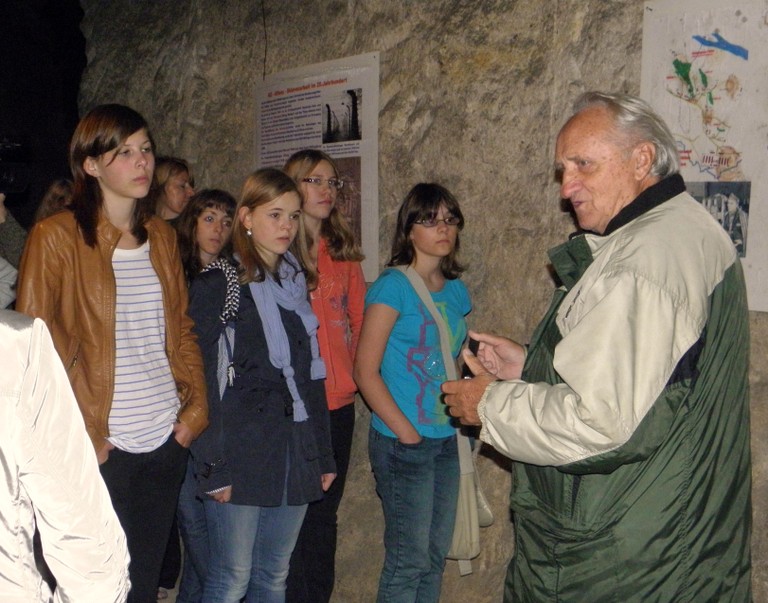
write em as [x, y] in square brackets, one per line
[144, 489]
[312, 572]
[194, 532]
[171, 568]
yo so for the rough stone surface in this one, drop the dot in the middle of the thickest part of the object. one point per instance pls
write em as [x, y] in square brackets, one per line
[472, 96]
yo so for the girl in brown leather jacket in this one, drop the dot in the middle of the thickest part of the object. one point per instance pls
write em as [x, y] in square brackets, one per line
[107, 279]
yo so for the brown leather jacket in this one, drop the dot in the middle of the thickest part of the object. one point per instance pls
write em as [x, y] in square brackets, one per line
[71, 286]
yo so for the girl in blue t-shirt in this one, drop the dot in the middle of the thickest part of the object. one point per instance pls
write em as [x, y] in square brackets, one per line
[399, 368]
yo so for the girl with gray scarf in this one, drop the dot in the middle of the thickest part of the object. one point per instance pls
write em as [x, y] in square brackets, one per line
[267, 452]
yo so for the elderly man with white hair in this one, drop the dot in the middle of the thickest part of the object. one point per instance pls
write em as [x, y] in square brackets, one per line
[628, 412]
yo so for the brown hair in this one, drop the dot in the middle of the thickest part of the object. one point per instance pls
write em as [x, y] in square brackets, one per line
[165, 169]
[57, 197]
[424, 201]
[186, 227]
[103, 129]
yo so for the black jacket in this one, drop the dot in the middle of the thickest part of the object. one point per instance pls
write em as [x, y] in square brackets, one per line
[252, 437]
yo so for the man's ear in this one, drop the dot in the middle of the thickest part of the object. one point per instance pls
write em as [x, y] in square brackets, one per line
[91, 167]
[643, 157]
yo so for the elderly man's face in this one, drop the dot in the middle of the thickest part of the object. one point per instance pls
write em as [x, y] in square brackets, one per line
[598, 174]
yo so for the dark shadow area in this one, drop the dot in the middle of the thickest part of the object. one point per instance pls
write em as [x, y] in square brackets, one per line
[42, 58]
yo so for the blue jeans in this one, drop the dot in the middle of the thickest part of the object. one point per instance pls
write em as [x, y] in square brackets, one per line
[194, 533]
[250, 550]
[418, 485]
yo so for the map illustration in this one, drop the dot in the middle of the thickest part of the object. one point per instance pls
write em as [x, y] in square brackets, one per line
[704, 70]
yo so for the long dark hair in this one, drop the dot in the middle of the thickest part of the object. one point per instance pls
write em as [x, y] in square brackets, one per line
[424, 201]
[103, 129]
[186, 227]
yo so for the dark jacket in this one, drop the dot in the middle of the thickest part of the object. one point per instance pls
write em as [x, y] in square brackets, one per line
[632, 418]
[253, 437]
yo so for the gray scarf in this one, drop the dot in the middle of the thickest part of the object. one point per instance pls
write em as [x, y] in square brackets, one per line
[290, 293]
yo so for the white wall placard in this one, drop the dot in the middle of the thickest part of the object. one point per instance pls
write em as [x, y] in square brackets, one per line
[334, 107]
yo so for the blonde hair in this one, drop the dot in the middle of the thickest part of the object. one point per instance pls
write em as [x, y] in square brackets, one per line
[342, 246]
[261, 187]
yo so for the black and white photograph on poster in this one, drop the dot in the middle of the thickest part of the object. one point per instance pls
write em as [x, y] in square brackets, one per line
[728, 203]
[341, 115]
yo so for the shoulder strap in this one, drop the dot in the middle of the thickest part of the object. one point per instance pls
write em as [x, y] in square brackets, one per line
[421, 290]
[465, 451]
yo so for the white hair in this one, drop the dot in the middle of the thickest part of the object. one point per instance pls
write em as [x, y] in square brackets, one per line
[639, 122]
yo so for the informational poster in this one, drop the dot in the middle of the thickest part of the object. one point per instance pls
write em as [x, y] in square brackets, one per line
[334, 107]
[705, 70]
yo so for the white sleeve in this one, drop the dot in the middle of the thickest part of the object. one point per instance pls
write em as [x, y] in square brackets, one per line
[619, 348]
[83, 542]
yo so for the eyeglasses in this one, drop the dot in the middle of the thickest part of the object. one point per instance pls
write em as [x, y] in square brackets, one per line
[332, 182]
[434, 221]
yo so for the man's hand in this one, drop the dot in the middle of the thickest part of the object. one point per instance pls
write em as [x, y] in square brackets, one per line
[499, 356]
[462, 396]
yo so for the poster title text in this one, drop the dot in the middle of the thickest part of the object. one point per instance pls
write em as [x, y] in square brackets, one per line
[305, 87]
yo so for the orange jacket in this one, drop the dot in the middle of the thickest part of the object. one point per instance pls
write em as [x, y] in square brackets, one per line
[71, 286]
[338, 301]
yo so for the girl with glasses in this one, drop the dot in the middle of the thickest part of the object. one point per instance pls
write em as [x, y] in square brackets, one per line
[399, 368]
[337, 291]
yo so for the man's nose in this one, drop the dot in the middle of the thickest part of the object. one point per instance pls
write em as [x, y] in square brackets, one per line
[569, 184]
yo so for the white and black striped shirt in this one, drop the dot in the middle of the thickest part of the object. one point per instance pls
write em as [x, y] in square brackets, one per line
[145, 402]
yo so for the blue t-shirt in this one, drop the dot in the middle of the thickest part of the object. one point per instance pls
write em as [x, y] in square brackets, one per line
[412, 366]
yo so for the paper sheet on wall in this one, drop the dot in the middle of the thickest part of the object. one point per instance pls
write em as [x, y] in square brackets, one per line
[704, 70]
